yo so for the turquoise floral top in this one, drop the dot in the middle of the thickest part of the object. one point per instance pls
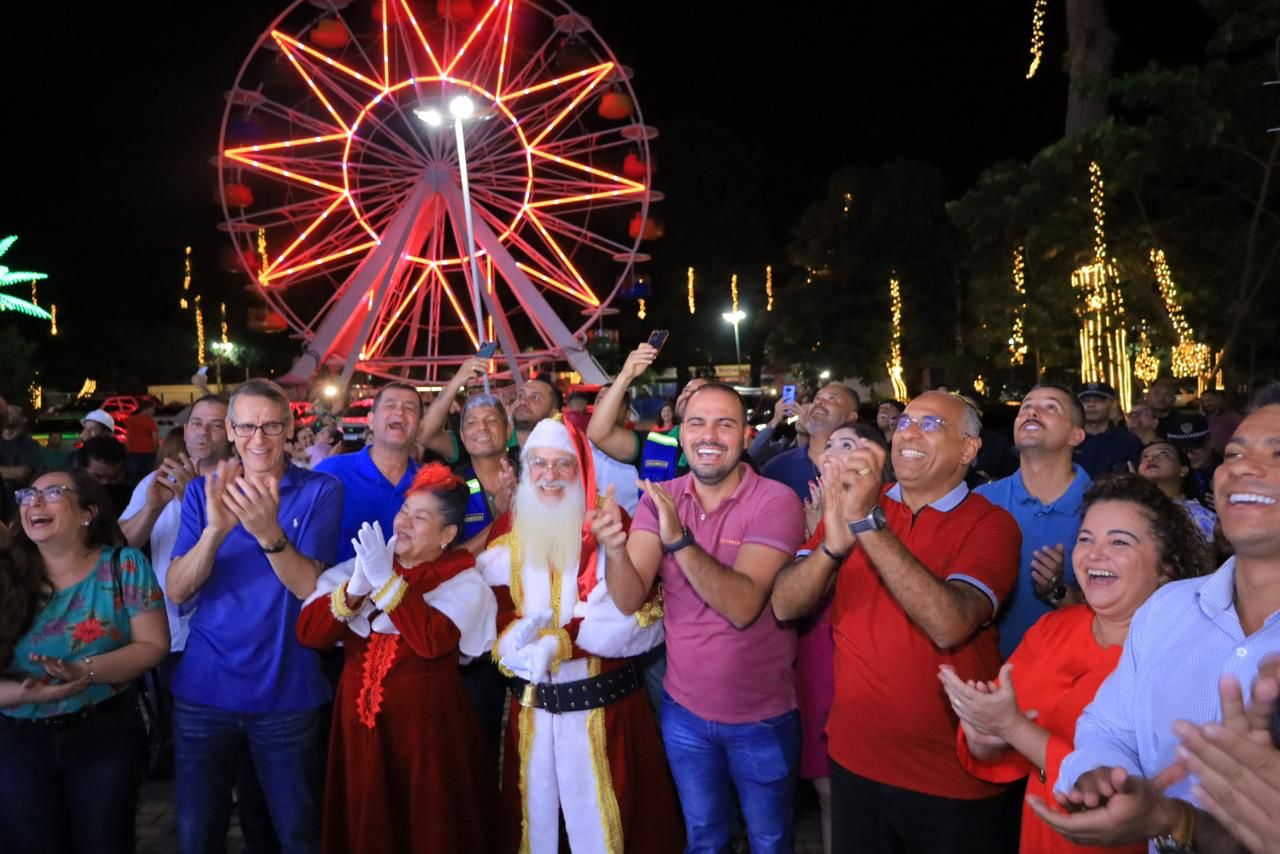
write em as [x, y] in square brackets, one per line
[89, 618]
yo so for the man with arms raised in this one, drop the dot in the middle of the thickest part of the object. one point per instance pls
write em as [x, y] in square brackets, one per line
[255, 535]
[580, 734]
[717, 537]
[920, 568]
[1187, 639]
[659, 453]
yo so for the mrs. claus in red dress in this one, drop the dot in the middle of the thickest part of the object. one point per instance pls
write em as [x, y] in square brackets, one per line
[408, 767]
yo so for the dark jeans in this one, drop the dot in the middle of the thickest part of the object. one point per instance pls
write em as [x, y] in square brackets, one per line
[709, 760]
[875, 818]
[286, 751]
[72, 787]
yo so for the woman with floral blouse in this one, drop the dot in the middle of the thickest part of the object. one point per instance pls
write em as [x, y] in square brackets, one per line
[80, 619]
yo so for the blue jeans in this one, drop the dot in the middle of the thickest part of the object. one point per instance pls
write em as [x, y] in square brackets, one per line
[709, 760]
[286, 751]
[72, 786]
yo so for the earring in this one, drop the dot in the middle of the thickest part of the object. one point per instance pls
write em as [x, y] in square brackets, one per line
[85, 523]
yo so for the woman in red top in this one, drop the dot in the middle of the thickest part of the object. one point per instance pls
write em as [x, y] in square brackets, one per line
[1133, 539]
[408, 767]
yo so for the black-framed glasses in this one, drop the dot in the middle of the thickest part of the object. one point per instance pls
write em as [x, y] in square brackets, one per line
[926, 423]
[268, 428]
[48, 494]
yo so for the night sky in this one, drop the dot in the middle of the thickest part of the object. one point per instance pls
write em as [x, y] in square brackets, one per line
[110, 114]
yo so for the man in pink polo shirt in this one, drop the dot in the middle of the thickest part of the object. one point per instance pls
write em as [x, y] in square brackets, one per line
[717, 537]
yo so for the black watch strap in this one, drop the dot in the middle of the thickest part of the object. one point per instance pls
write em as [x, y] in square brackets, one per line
[685, 540]
[276, 547]
[838, 558]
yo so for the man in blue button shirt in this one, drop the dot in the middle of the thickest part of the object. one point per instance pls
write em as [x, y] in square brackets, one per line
[254, 536]
[1044, 496]
[1182, 643]
[376, 478]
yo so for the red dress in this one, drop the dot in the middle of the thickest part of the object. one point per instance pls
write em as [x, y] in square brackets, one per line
[407, 763]
[1057, 669]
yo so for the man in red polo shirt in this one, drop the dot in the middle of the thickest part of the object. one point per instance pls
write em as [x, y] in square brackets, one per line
[923, 565]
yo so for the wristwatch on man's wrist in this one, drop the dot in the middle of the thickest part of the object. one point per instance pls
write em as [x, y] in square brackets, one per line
[685, 540]
[873, 521]
[1181, 837]
[276, 547]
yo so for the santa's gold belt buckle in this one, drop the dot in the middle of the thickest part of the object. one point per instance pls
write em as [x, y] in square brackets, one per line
[529, 696]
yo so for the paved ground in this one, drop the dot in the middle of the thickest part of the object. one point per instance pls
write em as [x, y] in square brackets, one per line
[157, 832]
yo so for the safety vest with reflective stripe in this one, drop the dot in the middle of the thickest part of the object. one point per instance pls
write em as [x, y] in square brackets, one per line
[661, 453]
[478, 515]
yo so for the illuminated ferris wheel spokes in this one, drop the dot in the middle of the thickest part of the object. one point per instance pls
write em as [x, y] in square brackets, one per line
[362, 207]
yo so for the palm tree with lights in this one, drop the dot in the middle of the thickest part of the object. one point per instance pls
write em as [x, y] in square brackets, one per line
[8, 278]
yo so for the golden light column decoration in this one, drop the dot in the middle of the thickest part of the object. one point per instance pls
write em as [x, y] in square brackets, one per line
[1037, 37]
[1146, 366]
[641, 313]
[53, 320]
[1017, 344]
[186, 279]
[262, 251]
[223, 309]
[692, 306]
[200, 359]
[895, 348]
[1190, 358]
[1104, 348]
[768, 288]
[733, 290]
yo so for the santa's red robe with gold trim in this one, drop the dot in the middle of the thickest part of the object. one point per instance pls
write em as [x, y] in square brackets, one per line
[605, 769]
[408, 768]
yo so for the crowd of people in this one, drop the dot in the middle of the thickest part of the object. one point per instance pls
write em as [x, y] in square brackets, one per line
[525, 625]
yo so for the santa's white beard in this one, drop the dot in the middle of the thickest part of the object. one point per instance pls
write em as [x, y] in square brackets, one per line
[550, 534]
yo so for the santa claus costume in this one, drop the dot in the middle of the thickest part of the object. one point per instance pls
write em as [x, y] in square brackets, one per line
[581, 746]
[408, 767]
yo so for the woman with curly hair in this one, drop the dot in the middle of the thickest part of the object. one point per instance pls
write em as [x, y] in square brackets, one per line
[407, 768]
[80, 619]
[1133, 539]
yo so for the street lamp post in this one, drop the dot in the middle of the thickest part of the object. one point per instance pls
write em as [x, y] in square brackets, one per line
[735, 317]
[462, 108]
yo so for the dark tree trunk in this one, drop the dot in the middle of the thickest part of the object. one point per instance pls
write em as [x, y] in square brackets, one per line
[1090, 52]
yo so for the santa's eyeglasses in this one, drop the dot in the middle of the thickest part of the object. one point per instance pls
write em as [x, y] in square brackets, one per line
[564, 465]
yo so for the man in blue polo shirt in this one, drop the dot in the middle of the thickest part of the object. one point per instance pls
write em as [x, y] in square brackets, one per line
[376, 477]
[254, 536]
[1044, 495]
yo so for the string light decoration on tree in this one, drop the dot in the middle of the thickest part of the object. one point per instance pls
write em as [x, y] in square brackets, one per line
[895, 348]
[200, 359]
[733, 290]
[768, 288]
[1037, 37]
[262, 251]
[1190, 358]
[186, 279]
[1017, 345]
[641, 312]
[222, 308]
[9, 277]
[53, 320]
[1104, 350]
[692, 306]
[1146, 366]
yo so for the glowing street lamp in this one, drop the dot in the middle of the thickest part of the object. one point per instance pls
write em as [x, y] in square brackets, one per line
[462, 108]
[735, 317]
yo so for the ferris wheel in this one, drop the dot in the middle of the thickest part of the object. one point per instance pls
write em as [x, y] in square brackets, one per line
[404, 181]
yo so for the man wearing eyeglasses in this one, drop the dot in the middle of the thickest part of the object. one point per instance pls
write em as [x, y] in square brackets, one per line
[920, 568]
[255, 535]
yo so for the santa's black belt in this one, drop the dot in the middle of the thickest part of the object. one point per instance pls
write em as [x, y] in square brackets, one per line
[593, 693]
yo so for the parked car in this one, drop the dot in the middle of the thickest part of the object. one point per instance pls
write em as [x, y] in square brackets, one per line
[355, 421]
